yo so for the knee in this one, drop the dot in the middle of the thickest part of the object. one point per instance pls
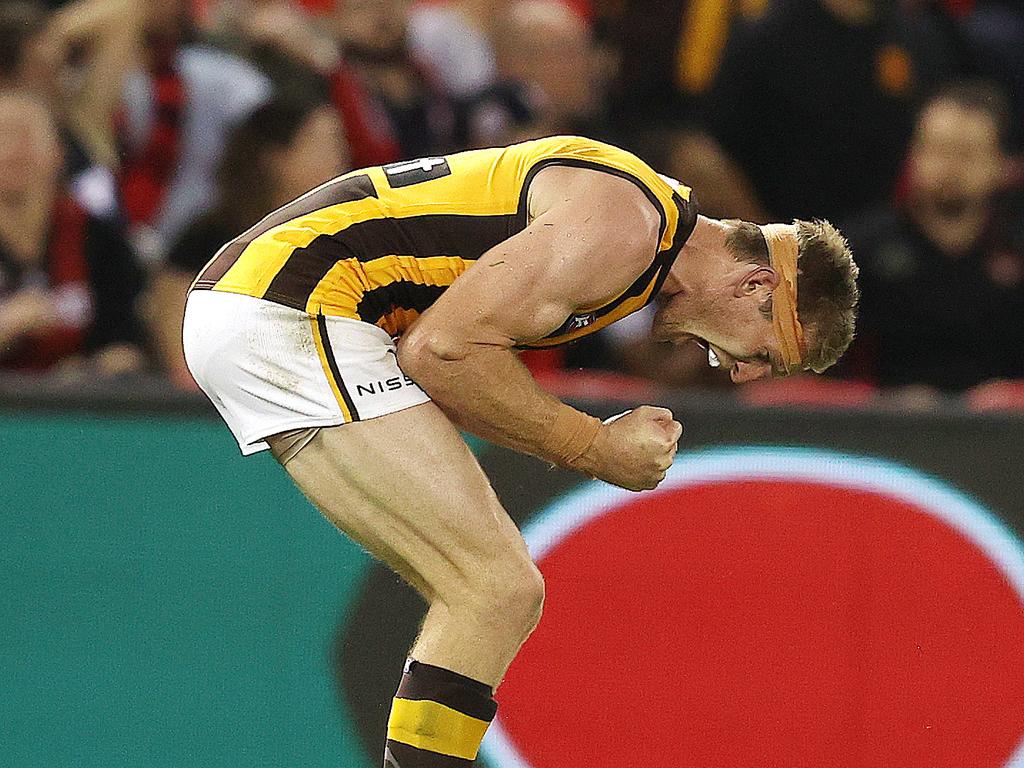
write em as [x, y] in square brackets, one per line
[524, 597]
[510, 595]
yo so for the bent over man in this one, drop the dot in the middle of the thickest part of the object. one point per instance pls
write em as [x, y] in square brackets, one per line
[356, 330]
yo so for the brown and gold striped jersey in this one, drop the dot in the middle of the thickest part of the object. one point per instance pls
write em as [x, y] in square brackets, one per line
[381, 244]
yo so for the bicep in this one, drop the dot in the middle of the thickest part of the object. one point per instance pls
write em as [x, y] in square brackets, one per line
[585, 250]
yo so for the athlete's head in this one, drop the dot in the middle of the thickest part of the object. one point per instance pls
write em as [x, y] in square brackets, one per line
[737, 297]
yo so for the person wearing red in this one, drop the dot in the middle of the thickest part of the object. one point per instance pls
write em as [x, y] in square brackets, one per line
[68, 281]
[178, 107]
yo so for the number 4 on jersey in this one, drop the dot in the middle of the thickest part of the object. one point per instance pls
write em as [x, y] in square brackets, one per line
[410, 172]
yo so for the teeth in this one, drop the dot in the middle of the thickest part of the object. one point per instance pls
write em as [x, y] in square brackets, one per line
[713, 358]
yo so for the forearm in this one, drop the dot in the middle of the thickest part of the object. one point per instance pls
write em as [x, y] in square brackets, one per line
[488, 392]
[111, 33]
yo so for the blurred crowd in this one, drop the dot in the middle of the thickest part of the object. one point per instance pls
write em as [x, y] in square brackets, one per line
[136, 138]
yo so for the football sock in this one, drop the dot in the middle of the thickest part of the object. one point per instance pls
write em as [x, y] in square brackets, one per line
[438, 719]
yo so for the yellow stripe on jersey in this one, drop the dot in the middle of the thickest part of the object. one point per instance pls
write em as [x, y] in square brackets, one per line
[260, 262]
[346, 285]
[382, 243]
[434, 727]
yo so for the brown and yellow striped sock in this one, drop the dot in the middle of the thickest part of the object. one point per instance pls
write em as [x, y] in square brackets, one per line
[438, 719]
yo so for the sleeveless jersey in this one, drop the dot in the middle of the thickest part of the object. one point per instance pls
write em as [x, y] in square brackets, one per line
[381, 244]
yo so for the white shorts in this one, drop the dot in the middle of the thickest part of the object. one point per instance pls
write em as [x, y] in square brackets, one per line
[270, 368]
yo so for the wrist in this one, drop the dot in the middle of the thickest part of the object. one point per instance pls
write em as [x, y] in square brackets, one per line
[570, 438]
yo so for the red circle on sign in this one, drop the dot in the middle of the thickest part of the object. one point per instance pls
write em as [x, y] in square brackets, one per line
[769, 623]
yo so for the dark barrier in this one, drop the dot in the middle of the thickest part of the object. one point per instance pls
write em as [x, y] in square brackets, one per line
[807, 588]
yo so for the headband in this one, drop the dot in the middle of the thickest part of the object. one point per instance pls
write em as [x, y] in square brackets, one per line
[783, 251]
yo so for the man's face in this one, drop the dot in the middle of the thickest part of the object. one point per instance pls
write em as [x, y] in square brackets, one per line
[733, 327]
[545, 45]
[955, 159]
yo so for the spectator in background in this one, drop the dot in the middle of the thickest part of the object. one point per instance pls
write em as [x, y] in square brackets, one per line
[68, 280]
[299, 50]
[815, 102]
[453, 40]
[551, 54]
[178, 106]
[76, 59]
[668, 56]
[284, 149]
[374, 42]
[669, 53]
[942, 274]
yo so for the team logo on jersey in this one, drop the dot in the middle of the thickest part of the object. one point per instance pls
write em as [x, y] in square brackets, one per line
[409, 172]
[580, 321]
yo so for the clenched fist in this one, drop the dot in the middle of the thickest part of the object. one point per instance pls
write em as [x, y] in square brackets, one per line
[634, 450]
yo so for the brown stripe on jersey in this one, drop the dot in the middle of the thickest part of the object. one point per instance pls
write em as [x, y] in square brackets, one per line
[332, 363]
[421, 236]
[439, 234]
[684, 228]
[401, 294]
[305, 267]
[221, 263]
[333, 193]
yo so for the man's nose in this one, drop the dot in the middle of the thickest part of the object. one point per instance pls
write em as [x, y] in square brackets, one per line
[744, 372]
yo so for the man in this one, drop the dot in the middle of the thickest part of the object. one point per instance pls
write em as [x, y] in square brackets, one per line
[467, 257]
[868, 62]
[945, 267]
[68, 279]
[178, 106]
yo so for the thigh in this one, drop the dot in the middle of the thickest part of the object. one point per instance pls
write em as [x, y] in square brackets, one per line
[407, 488]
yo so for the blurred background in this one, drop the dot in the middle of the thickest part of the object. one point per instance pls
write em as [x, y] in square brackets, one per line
[168, 604]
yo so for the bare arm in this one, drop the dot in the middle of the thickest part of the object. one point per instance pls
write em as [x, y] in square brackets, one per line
[111, 33]
[595, 236]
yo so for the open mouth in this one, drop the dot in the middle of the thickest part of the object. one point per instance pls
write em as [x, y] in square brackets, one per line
[712, 357]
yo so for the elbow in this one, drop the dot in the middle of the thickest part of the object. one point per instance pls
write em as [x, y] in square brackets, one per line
[422, 352]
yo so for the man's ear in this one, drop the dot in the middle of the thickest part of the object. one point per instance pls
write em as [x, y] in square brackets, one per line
[759, 279]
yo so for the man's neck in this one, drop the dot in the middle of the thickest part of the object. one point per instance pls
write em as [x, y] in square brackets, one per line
[694, 284]
[700, 255]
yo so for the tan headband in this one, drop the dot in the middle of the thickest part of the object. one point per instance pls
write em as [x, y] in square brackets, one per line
[783, 251]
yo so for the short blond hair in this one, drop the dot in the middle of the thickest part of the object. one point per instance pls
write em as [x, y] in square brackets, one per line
[827, 292]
